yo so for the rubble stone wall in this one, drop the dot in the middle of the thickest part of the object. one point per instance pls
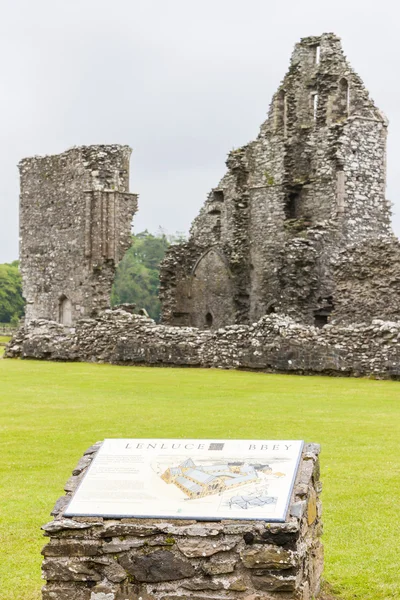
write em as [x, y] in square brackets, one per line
[368, 281]
[75, 226]
[164, 559]
[274, 343]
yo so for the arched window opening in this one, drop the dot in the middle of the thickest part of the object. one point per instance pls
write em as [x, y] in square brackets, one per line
[317, 54]
[209, 319]
[271, 309]
[65, 311]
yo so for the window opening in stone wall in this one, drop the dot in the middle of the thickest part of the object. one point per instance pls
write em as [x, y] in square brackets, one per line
[65, 311]
[218, 195]
[341, 103]
[271, 309]
[293, 203]
[209, 319]
[315, 105]
[281, 112]
[317, 54]
[216, 201]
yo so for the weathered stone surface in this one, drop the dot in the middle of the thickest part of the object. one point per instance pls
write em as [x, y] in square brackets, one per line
[238, 585]
[71, 547]
[202, 584]
[297, 509]
[70, 569]
[67, 524]
[72, 484]
[199, 547]
[115, 573]
[268, 557]
[82, 465]
[312, 507]
[118, 529]
[157, 566]
[220, 565]
[60, 505]
[274, 583]
[65, 592]
[121, 545]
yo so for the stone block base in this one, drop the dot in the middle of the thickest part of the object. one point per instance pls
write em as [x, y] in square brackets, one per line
[90, 558]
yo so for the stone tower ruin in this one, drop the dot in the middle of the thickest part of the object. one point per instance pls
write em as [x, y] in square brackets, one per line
[75, 225]
[309, 187]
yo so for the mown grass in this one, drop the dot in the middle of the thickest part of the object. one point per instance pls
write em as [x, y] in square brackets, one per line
[3, 340]
[50, 412]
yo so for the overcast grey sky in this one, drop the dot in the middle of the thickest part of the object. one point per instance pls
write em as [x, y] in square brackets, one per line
[181, 81]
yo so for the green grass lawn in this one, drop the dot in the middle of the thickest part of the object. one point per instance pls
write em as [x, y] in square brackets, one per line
[3, 340]
[51, 412]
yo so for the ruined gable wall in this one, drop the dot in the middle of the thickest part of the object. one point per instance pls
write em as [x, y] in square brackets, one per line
[75, 217]
[312, 182]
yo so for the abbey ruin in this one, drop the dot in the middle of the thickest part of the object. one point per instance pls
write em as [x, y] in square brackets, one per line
[291, 264]
[278, 232]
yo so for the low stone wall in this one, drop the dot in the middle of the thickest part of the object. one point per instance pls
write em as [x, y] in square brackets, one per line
[164, 559]
[275, 343]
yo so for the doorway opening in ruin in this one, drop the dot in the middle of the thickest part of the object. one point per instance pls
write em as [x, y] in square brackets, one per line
[209, 320]
[65, 311]
[320, 320]
[321, 315]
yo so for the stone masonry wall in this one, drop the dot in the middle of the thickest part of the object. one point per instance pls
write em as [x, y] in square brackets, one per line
[366, 284]
[275, 343]
[165, 559]
[75, 226]
[311, 184]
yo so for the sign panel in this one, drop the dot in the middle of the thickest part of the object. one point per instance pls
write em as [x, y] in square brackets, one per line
[189, 479]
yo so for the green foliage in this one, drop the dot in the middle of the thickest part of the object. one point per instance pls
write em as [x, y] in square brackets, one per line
[270, 179]
[11, 301]
[51, 412]
[137, 277]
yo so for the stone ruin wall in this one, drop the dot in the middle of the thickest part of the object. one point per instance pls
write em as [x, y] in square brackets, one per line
[273, 344]
[164, 559]
[312, 182]
[368, 281]
[245, 259]
[75, 226]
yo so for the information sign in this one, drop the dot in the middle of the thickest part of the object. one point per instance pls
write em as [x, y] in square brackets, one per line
[189, 479]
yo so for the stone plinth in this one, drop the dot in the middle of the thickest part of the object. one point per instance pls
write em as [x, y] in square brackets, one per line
[91, 558]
